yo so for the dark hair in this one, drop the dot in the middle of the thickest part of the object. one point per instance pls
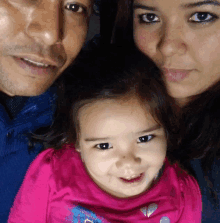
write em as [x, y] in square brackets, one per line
[122, 34]
[112, 74]
[199, 136]
[202, 121]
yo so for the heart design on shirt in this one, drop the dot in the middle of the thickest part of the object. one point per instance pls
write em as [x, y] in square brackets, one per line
[148, 211]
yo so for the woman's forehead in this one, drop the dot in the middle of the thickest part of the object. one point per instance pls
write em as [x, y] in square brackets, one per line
[180, 3]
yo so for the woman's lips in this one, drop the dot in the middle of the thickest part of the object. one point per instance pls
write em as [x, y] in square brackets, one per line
[176, 75]
[139, 178]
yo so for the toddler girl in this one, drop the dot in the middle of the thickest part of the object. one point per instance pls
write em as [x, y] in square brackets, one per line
[112, 151]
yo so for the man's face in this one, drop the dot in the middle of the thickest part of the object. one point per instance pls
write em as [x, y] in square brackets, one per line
[38, 40]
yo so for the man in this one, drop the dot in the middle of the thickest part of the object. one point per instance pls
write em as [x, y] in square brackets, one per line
[38, 40]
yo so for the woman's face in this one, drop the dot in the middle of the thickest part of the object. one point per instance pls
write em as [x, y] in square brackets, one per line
[183, 38]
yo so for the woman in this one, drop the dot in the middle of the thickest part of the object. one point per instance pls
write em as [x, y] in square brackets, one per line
[183, 38]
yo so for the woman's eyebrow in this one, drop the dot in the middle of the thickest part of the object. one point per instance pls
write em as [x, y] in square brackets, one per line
[145, 7]
[201, 3]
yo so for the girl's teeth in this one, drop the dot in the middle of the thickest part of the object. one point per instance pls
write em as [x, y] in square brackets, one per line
[36, 63]
[132, 177]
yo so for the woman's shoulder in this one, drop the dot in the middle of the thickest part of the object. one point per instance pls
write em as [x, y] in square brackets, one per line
[183, 190]
[186, 184]
[209, 183]
[182, 178]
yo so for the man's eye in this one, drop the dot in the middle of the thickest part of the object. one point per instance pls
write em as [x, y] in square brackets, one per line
[104, 146]
[144, 139]
[75, 8]
[148, 18]
[201, 17]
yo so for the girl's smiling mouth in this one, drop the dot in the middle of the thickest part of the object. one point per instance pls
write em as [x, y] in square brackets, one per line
[135, 179]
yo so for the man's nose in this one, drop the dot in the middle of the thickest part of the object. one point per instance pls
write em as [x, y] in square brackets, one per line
[171, 41]
[46, 23]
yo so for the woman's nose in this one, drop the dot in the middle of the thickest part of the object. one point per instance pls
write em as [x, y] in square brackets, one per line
[46, 23]
[171, 41]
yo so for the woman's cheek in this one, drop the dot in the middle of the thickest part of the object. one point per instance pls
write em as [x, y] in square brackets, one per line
[140, 39]
[145, 41]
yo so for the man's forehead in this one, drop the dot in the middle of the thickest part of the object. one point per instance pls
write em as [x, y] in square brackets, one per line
[37, 2]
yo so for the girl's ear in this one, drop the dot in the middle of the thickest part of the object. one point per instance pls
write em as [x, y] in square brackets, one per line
[81, 154]
[78, 150]
[77, 147]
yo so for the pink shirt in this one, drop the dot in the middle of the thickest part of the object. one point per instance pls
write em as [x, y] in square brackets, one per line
[58, 189]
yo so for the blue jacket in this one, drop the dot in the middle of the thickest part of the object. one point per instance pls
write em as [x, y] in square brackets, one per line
[15, 135]
[209, 212]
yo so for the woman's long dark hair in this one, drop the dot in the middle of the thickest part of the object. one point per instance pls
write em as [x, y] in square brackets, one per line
[200, 134]
[200, 139]
[122, 34]
[112, 74]
[202, 121]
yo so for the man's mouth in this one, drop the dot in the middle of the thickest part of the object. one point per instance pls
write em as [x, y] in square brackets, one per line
[34, 63]
[133, 179]
[38, 66]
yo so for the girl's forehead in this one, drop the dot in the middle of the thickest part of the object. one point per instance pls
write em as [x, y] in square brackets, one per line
[109, 105]
[110, 117]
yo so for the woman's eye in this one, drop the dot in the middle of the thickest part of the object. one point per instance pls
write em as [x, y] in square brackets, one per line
[144, 139]
[201, 17]
[104, 146]
[75, 8]
[148, 18]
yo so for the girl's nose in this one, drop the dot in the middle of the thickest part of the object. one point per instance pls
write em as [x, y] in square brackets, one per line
[128, 161]
[46, 23]
[171, 41]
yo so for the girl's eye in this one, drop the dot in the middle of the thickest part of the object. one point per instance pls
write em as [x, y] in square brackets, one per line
[104, 146]
[201, 17]
[75, 8]
[148, 18]
[144, 139]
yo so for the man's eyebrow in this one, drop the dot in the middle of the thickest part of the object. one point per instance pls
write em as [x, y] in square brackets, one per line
[201, 3]
[95, 139]
[153, 128]
[145, 7]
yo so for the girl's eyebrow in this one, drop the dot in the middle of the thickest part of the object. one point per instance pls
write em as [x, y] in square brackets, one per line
[153, 128]
[201, 3]
[95, 139]
[139, 6]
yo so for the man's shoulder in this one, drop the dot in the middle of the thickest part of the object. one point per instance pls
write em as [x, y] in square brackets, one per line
[39, 103]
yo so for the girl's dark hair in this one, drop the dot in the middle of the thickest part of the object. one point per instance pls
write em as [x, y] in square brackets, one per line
[114, 73]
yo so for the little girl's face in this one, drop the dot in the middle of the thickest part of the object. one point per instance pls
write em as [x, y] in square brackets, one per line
[121, 145]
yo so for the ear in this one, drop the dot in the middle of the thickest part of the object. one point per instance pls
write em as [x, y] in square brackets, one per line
[78, 150]
[81, 154]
